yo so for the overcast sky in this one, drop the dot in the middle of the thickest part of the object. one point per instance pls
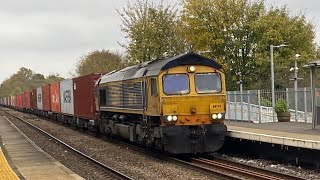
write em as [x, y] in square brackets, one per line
[50, 36]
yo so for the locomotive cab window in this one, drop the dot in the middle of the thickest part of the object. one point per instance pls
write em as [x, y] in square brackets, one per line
[208, 82]
[176, 84]
[154, 88]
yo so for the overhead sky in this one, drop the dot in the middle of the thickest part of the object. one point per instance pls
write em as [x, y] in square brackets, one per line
[50, 36]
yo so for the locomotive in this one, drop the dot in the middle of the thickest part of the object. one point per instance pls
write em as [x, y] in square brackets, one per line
[176, 104]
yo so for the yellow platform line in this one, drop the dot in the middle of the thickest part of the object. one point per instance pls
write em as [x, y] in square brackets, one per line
[6, 172]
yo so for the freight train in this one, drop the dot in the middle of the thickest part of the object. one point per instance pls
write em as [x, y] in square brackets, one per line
[175, 104]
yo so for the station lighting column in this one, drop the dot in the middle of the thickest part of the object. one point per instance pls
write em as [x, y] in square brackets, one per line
[272, 78]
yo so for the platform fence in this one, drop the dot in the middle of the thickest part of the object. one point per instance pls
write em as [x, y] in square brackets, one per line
[256, 105]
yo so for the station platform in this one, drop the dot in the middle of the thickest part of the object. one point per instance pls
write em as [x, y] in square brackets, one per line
[295, 134]
[22, 159]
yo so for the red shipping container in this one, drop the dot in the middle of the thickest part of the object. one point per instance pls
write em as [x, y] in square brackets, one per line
[17, 100]
[84, 96]
[33, 99]
[20, 101]
[46, 98]
[55, 97]
[26, 99]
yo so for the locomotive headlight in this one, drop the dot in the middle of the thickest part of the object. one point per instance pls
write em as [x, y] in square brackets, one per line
[219, 116]
[192, 69]
[175, 118]
[169, 118]
[214, 116]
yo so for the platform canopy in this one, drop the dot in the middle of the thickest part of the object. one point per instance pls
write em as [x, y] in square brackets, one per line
[313, 65]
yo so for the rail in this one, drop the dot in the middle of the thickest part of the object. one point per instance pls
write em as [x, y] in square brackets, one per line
[241, 170]
[116, 173]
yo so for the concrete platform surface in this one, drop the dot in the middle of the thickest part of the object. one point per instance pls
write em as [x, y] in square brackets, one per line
[285, 133]
[29, 161]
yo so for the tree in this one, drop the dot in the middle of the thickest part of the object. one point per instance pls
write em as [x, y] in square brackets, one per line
[152, 31]
[227, 29]
[278, 27]
[25, 79]
[54, 77]
[99, 62]
[238, 34]
[37, 76]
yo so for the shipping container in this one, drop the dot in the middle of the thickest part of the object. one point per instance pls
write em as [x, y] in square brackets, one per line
[55, 97]
[39, 98]
[66, 95]
[20, 101]
[33, 99]
[26, 99]
[8, 101]
[46, 104]
[13, 101]
[16, 100]
[84, 96]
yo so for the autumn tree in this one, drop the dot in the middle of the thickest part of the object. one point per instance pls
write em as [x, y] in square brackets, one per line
[227, 29]
[238, 34]
[152, 30]
[99, 62]
[25, 79]
[277, 27]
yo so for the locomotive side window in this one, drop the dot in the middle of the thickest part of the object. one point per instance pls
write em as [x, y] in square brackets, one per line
[176, 84]
[154, 88]
[208, 83]
[102, 97]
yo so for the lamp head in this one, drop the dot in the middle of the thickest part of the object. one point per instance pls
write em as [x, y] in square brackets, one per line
[282, 45]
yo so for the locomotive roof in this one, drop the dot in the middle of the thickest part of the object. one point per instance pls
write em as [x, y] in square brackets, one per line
[153, 68]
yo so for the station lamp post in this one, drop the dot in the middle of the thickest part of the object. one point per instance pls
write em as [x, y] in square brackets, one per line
[272, 77]
[295, 79]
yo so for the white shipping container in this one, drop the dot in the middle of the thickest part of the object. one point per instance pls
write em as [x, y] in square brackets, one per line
[66, 94]
[39, 98]
[12, 100]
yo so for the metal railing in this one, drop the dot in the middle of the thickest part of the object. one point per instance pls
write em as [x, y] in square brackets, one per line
[256, 105]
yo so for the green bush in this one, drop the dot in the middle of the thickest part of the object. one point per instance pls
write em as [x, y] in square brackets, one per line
[281, 106]
[265, 102]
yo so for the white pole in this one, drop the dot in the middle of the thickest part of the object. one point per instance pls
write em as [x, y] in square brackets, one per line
[241, 99]
[272, 83]
[313, 95]
[296, 90]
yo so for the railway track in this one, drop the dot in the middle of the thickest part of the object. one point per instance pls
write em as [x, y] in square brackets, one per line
[108, 172]
[239, 170]
[220, 168]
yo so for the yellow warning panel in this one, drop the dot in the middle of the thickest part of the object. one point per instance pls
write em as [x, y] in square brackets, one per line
[6, 173]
